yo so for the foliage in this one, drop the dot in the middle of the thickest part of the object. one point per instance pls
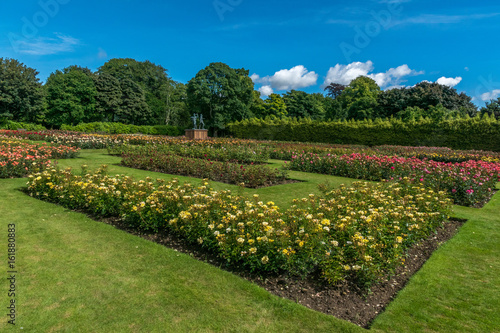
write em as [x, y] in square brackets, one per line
[468, 183]
[492, 108]
[133, 109]
[221, 94]
[242, 154]
[18, 159]
[334, 90]
[232, 173]
[359, 98]
[165, 98]
[108, 97]
[21, 94]
[303, 105]
[71, 97]
[438, 154]
[275, 106]
[480, 133]
[257, 107]
[13, 125]
[335, 110]
[424, 95]
[346, 234]
[94, 141]
[119, 128]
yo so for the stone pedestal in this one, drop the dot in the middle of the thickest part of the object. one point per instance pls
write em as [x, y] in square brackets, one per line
[197, 134]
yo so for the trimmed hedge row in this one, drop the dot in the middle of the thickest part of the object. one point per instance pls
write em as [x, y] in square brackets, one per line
[14, 125]
[119, 128]
[480, 133]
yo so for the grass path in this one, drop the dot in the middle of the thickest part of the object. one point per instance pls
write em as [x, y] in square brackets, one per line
[78, 275]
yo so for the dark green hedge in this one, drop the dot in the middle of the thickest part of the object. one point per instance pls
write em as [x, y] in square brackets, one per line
[119, 128]
[482, 133]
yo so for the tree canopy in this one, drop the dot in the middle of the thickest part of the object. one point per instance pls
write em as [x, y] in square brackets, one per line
[21, 94]
[275, 106]
[142, 93]
[157, 89]
[334, 90]
[424, 95]
[71, 97]
[221, 94]
[492, 108]
[359, 98]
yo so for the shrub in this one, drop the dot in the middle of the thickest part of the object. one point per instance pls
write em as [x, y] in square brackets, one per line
[357, 233]
[468, 183]
[231, 173]
[18, 159]
[13, 125]
[481, 133]
[119, 128]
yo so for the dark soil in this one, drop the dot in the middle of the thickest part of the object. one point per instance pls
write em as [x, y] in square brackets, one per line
[346, 301]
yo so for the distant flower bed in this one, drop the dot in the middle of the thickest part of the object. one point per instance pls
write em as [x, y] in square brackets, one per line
[357, 233]
[438, 154]
[18, 159]
[234, 154]
[231, 173]
[468, 183]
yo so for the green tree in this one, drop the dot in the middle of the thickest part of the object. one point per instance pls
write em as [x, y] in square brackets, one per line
[492, 108]
[359, 98]
[108, 98]
[21, 93]
[133, 109]
[334, 90]
[427, 94]
[334, 109]
[257, 107]
[410, 113]
[275, 105]
[392, 101]
[176, 111]
[300, 104]
[221, 94]
[153, 80]
[71, 97]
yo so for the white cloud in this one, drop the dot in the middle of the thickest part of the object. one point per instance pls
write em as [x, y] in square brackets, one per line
[467, 69]
[255, 78]
[490, 95]
[265, 91]
[449, 81]
[46, 45]
[287, 79]
[344, 74]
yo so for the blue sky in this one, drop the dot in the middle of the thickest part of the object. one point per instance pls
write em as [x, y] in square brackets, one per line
[284, 44]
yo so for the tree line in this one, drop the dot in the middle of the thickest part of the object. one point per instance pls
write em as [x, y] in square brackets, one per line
[142, 93]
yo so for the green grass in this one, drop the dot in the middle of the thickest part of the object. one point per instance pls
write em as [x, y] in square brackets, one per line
[78, 275]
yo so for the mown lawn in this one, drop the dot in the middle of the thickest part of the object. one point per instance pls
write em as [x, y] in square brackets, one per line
[78, 275]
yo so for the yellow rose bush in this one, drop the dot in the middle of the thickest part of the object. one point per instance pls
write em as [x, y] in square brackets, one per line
[358, 233]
